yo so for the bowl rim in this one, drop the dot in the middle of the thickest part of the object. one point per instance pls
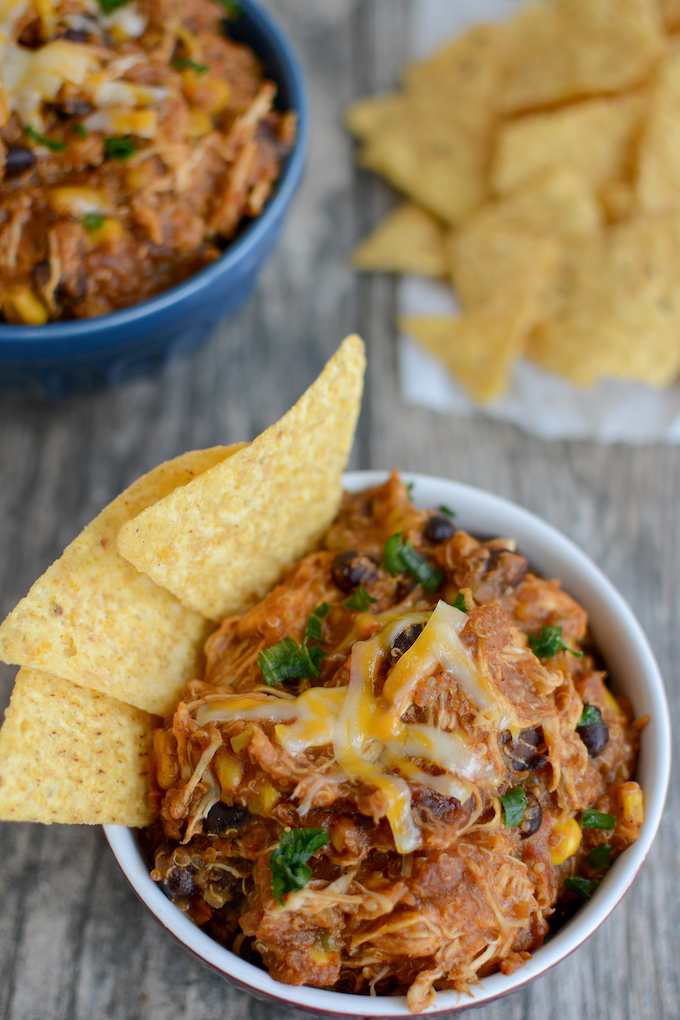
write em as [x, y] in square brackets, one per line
[546, 543]
[269, 27]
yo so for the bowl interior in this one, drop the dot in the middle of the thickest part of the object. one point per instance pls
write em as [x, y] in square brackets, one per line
[633, 672]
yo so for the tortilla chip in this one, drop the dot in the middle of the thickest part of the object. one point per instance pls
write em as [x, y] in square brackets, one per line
[558, 204]
[658, 182]
[670, 12]
[616, 308]
[409, 240]
[429, 155]
[498, 267]
[222, 541]
[566, 49]
[365, 116]
[93, 619]
[68, 754]
[594, 140]
[479, 349]
[464, 75]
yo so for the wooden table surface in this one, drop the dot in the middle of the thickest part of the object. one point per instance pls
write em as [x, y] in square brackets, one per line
[74, 942]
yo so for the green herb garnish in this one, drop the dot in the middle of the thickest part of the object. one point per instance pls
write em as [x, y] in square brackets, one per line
[409, 490]
[600, 857]
[288, 862]
[584, 887]
[231, 7]
[93, 221]
[184, 63]
[548, 643]
[589, 716]
[313, 632]
[81, 130]
[446, 510]
[591, 819]
[459, 602]
[514, 805]
[359, 600]
[47, 142]
[286, 660]
[399, 556]
[109, 6]
[119, 147]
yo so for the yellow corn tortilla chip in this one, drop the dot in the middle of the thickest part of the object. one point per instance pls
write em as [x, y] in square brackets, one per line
[220, 542]
[670, 12]
[616, 308]
[658, 181]
[409, 240]
[463, 75]
[559, 204]
[499, 267]
[93, 619]
[68, 754]
[593, 139]
[561, 50]
[365, 116]
[429, 155]
[479, 349]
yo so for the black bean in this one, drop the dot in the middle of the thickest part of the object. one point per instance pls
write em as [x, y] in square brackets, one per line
[514, 567]
[595, 735]
[405, 638]
[522, 752]
[75, 107]
[76, 35]
[439, 529]
[18, 159]
[179, 882]
[350, 569]
[222, 818]
[533, 816]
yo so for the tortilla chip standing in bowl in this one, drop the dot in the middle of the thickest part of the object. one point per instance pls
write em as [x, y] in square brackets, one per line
[104, 647]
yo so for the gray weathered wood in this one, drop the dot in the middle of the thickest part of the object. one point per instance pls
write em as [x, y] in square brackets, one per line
[74, 942]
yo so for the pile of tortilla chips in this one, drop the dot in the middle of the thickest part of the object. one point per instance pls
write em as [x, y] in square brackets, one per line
[112, 631]
[541, 157]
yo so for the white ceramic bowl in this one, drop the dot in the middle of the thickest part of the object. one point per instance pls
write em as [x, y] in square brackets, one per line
[633, 672]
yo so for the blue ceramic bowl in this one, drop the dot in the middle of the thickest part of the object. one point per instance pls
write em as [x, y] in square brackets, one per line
[63, 357]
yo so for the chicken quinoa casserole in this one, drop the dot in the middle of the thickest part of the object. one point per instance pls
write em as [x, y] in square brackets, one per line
[401, 768]
[135, 139]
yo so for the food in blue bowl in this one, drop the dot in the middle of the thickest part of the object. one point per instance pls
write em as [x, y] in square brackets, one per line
[149, 152]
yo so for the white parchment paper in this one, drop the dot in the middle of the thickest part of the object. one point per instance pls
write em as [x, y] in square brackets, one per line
[538, 402]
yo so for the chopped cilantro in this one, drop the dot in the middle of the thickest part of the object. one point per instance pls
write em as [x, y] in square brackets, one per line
[109, 6]
[459, 602]
[600, 857]
[231, 7]
[119, 147]
[47, 142]
[446, 510]
[584, 887]
[81, 130]
[288, 862]
[359, 600]
[548, 643]
[514, 805]
[409, 490]
[93, 221]
[591, 819]
[589, 717]
[400, 556]
[185, 64]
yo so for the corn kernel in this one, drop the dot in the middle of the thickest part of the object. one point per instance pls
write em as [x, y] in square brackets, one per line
[263, 800]
[111, 230]
[167, 766]
[610, 702]
[229, 773]
[564, 839]
[319, 955]
[200, 123]
[206, 92]
[77, 201]
[631, 800]
[22, 306]
[241, 740]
